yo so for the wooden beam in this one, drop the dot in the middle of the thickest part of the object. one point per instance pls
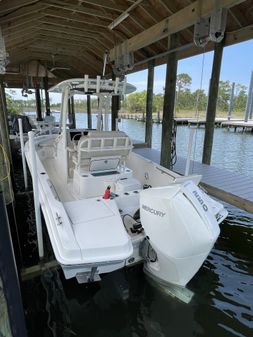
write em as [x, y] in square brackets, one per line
[149, 104]
[13, 25]
[182, 19]
[75, 25]
[243, 34]
[12, 5]
[211, 105]
[75, 17]
[23, 12]
[80, 9]
[108, 4]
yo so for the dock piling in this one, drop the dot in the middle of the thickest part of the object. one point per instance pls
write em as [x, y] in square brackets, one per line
[249, 105]
[168, 105]
[188, 159]
[212, 103]
[9, 276]
[89, 120]
[149, 104]
[21, 135]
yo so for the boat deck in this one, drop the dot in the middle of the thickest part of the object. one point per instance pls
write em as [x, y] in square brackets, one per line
[230, 187]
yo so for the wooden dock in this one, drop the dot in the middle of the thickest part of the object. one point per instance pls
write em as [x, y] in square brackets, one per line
[235, 124]
[230, 187]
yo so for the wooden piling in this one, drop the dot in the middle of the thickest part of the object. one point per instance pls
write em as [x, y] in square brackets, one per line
[45, 84]
[38, 104]
[212, 102]
[115, 110]
[73, 116]
[89, 117]
[149, 104]
[9, 277]
[168, 105]
[5, 152]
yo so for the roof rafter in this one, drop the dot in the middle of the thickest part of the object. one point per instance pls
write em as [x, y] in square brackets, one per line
[182, 19]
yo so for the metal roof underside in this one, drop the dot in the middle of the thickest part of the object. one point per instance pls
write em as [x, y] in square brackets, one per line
[74, 34]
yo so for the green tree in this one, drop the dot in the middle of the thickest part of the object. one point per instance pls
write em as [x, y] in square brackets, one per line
[240, 99]
[13, 106]
[183, 81]
[224, 95]
[136, 102]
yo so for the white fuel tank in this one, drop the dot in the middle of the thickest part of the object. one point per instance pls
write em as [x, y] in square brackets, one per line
[182, 229]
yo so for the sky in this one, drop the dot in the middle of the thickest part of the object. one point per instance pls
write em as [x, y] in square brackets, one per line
[237, 64]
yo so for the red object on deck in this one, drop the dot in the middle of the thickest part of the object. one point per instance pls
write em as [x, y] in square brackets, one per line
[107, 193]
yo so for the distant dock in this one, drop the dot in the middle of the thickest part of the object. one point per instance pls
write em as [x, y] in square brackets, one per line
[234, 123]
[230, 187]
[238, 124]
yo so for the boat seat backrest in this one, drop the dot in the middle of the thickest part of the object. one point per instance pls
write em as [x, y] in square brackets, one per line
[104, 145]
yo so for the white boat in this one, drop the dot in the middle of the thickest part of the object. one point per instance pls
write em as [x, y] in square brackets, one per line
[152, 214]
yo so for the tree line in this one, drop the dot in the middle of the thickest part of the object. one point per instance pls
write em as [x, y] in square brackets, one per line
[189, 100]
[136, 102]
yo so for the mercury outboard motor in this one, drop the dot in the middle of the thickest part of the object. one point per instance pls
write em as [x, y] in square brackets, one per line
[182, 225]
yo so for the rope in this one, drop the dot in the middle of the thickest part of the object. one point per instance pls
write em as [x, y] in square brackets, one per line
[197, 104]
[8, 166]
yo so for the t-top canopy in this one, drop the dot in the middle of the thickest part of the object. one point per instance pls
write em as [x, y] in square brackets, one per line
[95, 86]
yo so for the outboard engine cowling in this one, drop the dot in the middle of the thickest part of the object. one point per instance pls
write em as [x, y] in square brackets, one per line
[181, 227]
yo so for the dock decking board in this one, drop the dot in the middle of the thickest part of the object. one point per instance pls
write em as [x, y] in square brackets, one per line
[230, 187]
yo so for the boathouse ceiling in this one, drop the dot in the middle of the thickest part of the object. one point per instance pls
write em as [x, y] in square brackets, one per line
[69, 38]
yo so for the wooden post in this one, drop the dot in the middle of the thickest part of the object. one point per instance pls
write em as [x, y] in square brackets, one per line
[5, 152]
[38, 105]
[115, 110]
[168, 105]
[231, 101]
[73, 116]
[9, 277]
[212, 102]
[89, 117]
[45, 84]
[149, 104]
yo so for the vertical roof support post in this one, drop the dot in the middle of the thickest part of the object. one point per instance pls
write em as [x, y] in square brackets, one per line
[248, 112]
[4, 129]
[168, 105]
[115, 106]
[9, 276]
[115, 110]
[45, 84]
[231, 101]
[73, 116]
[212, 103]
[89, 117]
[38, 104]
[149, 104]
